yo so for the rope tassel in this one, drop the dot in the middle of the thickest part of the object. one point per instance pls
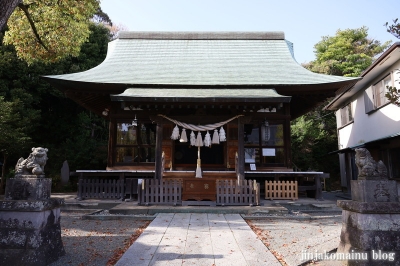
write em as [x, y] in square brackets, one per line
[199, 141]
[222, 136]
[183, 136]
[175, 133]
[207, 140]
[215, 139]
[192, 139]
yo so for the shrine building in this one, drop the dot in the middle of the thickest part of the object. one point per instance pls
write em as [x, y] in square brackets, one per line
[218, 101]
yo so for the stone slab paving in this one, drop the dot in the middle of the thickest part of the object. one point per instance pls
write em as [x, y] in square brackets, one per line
[198, 239]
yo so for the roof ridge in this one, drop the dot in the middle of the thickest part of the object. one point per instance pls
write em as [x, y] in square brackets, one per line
[203, 35]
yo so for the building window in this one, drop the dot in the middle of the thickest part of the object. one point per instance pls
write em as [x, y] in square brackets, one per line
[346, 115]
[264, 143]
[379, 91]
[374, 96]
[135, 144]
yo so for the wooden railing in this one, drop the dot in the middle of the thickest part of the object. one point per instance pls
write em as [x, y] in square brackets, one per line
[100, 188]
[243, 192]
[281, 190]
[154, 191]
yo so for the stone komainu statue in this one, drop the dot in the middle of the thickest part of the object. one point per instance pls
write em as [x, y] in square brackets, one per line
[367, 167]
[34, 164]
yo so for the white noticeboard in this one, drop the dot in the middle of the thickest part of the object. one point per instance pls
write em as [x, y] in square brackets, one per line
[268, 152]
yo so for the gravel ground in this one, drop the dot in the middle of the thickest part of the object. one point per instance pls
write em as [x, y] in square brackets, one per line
[288, 239]
[97, 242]
[94, 242]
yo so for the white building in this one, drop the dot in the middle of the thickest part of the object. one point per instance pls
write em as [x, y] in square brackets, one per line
[365, 117]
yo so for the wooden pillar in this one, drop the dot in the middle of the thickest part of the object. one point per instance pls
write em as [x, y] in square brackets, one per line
[349, 175]
[240, 166]
[158, 159]
[287, 138]
[111, 142]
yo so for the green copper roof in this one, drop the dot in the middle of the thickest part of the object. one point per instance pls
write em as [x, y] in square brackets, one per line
[184, 58]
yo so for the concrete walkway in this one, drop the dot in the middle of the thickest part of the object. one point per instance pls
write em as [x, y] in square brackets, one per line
[198, 239]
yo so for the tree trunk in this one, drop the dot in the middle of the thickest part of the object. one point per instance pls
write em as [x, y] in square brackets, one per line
[6, 9]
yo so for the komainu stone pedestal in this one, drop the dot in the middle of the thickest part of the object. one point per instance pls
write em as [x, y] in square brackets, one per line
[371, 224]
[28, 188]
[30, 232]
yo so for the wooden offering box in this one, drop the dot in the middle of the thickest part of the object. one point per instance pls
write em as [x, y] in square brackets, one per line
[199, 189]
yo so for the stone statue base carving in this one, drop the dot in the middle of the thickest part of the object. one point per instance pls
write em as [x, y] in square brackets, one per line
[374, 190]
[29, 187]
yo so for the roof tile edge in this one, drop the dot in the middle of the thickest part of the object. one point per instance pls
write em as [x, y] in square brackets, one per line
[183, 35]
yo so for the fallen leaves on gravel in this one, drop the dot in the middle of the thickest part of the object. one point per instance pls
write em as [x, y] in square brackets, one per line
[263, 236]
[120, 251]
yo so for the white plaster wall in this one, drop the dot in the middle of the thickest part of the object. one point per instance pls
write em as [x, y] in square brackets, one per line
[367, 127]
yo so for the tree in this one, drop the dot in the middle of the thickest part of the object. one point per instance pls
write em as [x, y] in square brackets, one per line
[14, 131]
[394, 28]
[314, 135]
[50, 119]
[6, 9]
[348, 53]
[45, 30]
[393, 94]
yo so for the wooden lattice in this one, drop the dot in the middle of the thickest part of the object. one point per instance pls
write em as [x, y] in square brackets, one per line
[230, 192]
[155, 191]
[281, 190]
[100, 188]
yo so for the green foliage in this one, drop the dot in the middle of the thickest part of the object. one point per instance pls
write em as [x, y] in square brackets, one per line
[46, 116]
[14, 128]
[393, 94]
[14, 131]
[47, 31]
[348, 53]
[313, 137]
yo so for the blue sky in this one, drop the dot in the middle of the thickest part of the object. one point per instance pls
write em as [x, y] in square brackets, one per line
[303, 21]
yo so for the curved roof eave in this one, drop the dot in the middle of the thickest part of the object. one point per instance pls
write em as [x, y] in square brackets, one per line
[265, 61]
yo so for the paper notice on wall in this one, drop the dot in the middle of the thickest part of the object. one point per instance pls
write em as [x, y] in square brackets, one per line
[268, 152]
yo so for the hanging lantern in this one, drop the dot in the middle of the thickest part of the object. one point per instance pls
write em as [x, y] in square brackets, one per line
[199, 140]
[175, 133]
[266, 131]
[192, 139]
[183, 136]
[215, 139]
[207, 140]
[222, 136]
[134, 122]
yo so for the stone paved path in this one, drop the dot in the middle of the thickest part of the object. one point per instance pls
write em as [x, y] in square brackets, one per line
[198, 239]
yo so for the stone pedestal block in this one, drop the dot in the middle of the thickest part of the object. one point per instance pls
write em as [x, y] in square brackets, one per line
[28, 188]
[374, 191]
[372, 230]
[30, 232]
